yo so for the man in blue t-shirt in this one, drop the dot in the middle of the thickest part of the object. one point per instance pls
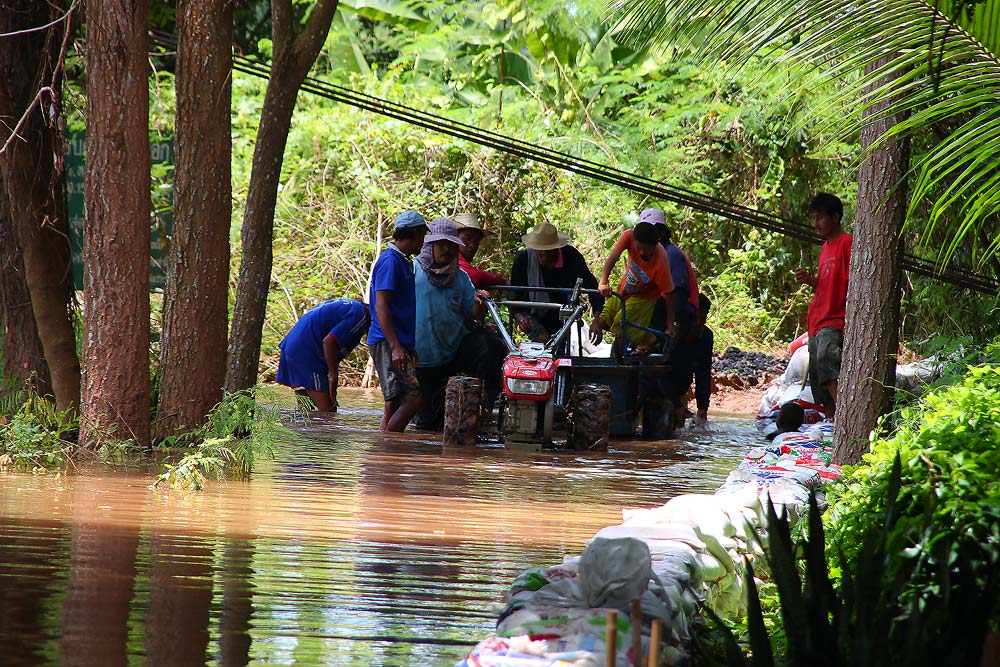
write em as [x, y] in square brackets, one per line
[392, 335]
[312, 351]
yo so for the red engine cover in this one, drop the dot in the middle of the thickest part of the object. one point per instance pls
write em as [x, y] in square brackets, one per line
[529, 368]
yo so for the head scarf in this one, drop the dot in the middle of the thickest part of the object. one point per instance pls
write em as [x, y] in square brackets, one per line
[437, 274]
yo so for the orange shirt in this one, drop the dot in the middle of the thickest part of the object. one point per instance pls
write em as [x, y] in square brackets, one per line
[644, 280]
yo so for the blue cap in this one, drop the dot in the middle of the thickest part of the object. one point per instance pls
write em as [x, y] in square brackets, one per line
[409, 219]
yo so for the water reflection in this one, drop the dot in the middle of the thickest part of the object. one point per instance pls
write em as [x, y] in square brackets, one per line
[350, 549]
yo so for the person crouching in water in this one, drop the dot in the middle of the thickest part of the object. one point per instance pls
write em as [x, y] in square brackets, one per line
[392, 337]
[447, 303]
[312, 351]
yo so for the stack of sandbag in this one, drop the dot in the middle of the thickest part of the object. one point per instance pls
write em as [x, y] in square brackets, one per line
[672, 559]
[558, 616]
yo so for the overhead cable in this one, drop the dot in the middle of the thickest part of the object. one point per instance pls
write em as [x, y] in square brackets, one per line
[595, 170]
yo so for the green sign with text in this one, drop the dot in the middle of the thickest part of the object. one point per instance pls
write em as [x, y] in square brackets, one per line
[160, 221]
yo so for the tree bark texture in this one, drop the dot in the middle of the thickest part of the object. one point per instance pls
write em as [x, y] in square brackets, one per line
[20, 348]
[294, 55]
[196, 306]
[32, 172]
[116, 234]
[871, 336]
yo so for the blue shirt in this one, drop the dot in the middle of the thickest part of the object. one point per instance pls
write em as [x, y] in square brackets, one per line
[344, 319]
[441, 316]
[678, 269]
[393, 273]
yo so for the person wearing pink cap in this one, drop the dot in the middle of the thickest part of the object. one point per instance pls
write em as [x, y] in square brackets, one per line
[646, 279]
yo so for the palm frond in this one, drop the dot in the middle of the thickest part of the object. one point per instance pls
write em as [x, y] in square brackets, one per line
[891, 59]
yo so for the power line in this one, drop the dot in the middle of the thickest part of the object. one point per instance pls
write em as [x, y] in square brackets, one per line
[595, 170]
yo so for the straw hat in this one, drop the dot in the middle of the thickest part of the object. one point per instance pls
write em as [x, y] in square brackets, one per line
[545, 237]
[468, 221]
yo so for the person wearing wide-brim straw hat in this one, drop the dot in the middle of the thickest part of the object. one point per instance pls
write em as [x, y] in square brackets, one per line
[548, 261]
[545, 237]
[471, 231]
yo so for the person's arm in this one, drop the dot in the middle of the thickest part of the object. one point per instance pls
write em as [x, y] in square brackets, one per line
[609, 264]
[666, 285]
[805, 278]
[331, 353]
[483, 279]
[400, 355]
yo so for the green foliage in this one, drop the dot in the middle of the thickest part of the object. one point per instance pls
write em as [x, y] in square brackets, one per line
[945, 540]
[554, 75]
[870, 617]
[237, 433]
[35, 434]
[949, 506]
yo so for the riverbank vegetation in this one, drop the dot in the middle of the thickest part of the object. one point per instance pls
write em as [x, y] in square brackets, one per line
[903, 566]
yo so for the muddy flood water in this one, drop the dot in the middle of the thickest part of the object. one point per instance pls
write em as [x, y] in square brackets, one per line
[348, 549]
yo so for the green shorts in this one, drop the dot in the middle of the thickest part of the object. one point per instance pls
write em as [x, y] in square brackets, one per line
[824, 361]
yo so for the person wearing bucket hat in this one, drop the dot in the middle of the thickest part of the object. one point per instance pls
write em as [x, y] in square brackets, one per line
[471, 232]
[392, 334]
[447, 304]
[548, 261]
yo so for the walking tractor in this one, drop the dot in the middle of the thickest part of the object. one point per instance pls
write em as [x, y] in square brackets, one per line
[546, 389]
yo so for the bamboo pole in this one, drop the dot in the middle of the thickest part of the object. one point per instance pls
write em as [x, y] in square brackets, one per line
[635, 623]
[610, 638]
[654, 643]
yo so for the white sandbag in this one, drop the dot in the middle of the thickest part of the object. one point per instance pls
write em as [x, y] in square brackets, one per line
[798, 366]
[700, 509]
[666, 531]
[710, 568]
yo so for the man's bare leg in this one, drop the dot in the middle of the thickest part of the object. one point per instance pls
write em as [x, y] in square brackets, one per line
[321, 399]
[388, 409]
[402, 416]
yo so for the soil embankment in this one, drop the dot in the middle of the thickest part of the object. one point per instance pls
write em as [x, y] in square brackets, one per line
[740, 378]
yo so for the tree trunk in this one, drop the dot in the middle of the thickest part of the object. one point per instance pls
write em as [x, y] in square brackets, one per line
[293, 56]
[871, 336]
[116, 233]
[196, 305]
[20, 349]
[33, 180]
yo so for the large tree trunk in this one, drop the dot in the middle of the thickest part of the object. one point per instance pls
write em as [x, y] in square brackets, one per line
[34, 182]
[293, 56]
[871, 337]
[20, 349]
[116, 232]
[193, 357]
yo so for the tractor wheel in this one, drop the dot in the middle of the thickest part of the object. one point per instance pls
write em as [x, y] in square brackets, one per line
[462, 408]
[590, 415]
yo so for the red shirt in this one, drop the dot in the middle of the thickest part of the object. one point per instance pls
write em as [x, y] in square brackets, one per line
[829, 304]
[481, 279]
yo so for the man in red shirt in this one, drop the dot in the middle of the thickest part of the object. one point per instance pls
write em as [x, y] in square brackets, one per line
[471, 233]
[825, 321]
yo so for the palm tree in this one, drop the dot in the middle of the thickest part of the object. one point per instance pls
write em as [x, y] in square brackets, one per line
[912, 71]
